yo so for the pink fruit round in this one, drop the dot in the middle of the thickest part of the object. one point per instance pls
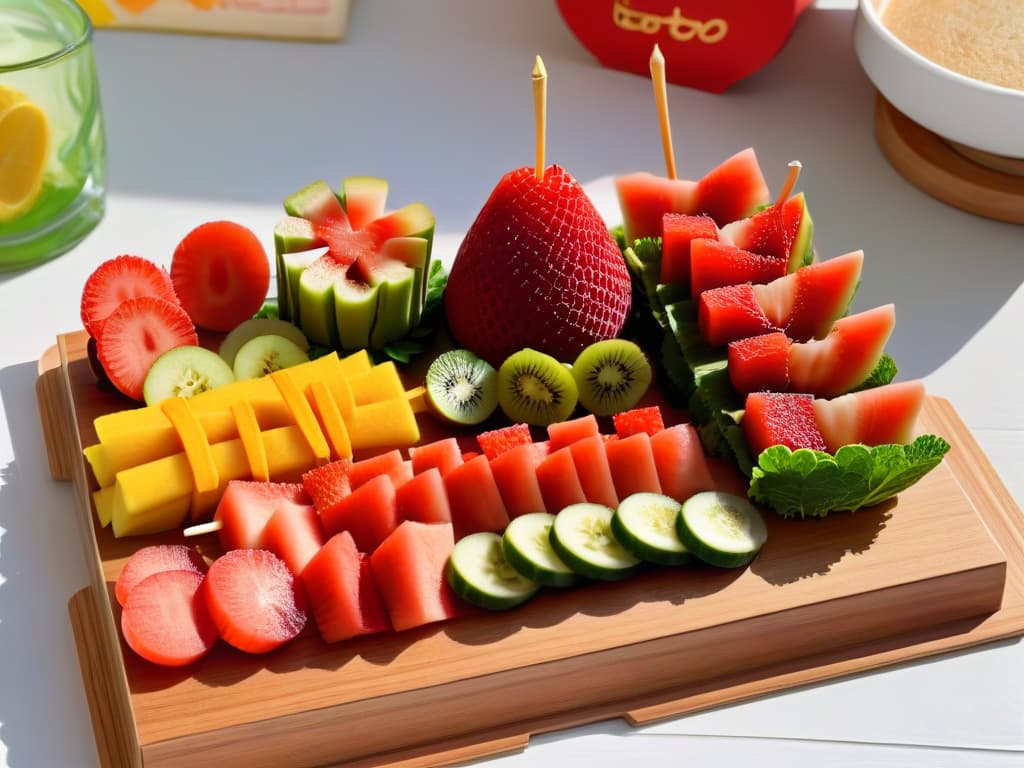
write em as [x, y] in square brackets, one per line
[538, 268]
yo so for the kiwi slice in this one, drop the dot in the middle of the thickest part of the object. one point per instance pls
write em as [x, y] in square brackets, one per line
[611, 375]
[184, 372]
[535, 388]
[261, 355]
[461, 387]
[259, 326]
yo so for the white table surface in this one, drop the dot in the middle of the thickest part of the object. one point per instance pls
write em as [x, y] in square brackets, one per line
[435, 97]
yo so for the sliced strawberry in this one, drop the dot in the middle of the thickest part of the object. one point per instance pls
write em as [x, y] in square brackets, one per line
[165, 620]
[328, 483]
[496, 441]
[117, 280]
[156, 559]
[137, 333]
[254, 600]
[221, 274]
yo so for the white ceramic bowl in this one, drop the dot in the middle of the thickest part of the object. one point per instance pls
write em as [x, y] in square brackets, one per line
[979, 115]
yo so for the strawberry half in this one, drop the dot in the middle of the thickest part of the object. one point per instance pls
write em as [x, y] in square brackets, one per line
[117, 280]
[136, 334]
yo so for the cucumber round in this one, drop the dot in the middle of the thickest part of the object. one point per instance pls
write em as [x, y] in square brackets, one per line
[645, 524]
[582, 536]
[259, 326]
[479, 574]
[721, 528]
[184, 372]
[527, 547]
[262, 355]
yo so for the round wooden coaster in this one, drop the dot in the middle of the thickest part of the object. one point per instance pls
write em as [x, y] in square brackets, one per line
[986, 185]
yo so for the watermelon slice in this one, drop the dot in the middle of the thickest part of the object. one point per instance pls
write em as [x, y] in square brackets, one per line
[734, 189]
[594, 474]
[559, 482]
[294, 534]
[631, 461]
[495, 442]
[343, 595]
[476, 503]
[515, 475]
[681, 462]
[563, 433]
[781, 231]
[423, 498]
[714, 264]
[804, 304]
[409, 567]
[444, 454]
[369, 288]
[876, 416]
[369, 513]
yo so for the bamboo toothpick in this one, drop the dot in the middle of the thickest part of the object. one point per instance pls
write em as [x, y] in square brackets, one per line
[661, 100]
[787, 188]
[540, 111]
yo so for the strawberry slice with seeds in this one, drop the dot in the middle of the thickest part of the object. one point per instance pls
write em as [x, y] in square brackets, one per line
[136, 334]
[254, 600]
[117, 280]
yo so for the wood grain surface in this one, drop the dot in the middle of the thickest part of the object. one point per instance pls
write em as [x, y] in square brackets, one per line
[939, 568]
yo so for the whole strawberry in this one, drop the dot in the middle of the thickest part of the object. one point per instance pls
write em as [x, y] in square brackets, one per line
[538, 268]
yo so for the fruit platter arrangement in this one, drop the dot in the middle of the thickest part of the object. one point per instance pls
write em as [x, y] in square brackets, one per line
[587, 469]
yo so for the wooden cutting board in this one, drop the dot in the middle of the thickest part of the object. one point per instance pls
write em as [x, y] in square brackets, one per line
[940, 568]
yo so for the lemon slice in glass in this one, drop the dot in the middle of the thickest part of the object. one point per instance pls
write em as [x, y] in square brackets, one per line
[24, 146]
[9, 97]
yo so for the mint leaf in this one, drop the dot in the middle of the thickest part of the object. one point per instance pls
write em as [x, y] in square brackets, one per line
[883, 373]
[807, 483]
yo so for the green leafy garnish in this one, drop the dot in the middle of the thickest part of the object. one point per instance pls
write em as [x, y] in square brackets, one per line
[269, 309]
[883, 374]
[808, 483]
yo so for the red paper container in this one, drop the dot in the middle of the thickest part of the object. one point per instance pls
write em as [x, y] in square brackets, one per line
[707, 44]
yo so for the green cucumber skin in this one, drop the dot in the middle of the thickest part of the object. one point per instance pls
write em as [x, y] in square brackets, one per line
[644, 551]
[707, 554]
[463, 586]
[546, 577]
[587, 569]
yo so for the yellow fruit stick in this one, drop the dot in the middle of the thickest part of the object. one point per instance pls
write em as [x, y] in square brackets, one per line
[540, 113]
[331, 420]
[252, 440]
[661, 102]
[303, 414]
[194, 442]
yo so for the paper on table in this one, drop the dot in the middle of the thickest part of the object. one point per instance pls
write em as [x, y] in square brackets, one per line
[928, 703]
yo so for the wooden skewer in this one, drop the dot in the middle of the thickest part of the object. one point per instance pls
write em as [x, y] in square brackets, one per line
[661, 100]
[540, 111]
[787, 188]
[201, 529]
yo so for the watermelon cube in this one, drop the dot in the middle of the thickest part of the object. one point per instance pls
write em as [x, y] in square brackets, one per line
[476, 503]
[515, 474]
[729, 313]
[775, 418]
[423, 498]
[632, 465]
[445, 454]
[342, 591]
[714, 264]
[681, 462]
[294, 534]
[559, 483]
[389, 462]
[369, 513]
[678, 231]
[409, 567]
[563, 433]
[247, 505]
[760, 363]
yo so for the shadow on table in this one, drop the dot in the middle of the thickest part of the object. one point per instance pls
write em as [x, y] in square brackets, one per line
[40, 568]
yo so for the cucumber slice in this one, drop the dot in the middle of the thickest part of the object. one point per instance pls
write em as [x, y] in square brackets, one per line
[259, 326]
[527, 547]
[645, 524]
[721, 528]
[582, 536]
[184, 372]
[479, 574]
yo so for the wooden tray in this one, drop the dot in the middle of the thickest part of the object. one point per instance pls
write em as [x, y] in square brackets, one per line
[940, 568]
